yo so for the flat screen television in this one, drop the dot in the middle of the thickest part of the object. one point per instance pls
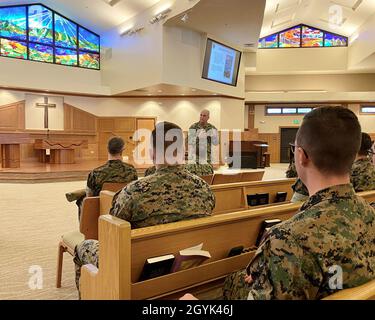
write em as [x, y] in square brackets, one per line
[221, 63]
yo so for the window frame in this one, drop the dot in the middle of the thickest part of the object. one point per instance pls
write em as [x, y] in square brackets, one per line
[53, 46]
[287, 114]
[300, 26]
[363, 106]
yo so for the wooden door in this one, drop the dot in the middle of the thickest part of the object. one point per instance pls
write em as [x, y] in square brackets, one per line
[288, 135]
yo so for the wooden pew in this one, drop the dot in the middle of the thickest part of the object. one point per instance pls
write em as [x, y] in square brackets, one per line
[364, 292]
[220, 178]
[123, 252]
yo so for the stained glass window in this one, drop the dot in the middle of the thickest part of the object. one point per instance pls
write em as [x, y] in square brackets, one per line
[13, 48]
[13, 22]
[303, 36]
[66, 56]
[39, 52]
[89, 60]
[65, 32]
[37, 33]
[40, 25]
[269, 42]
[333, 40]
[290, 38]
[312, 37]
[88, 40]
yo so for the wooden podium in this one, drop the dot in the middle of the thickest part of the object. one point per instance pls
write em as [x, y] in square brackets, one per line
[10, 148]
[61, 152]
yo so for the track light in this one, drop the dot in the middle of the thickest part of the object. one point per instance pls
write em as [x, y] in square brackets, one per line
[131, 31]
[160, 16]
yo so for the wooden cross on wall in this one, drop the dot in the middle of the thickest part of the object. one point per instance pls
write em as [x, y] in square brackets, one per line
[46, 106]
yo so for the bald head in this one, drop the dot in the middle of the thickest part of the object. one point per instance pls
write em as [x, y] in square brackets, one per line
[205, 115]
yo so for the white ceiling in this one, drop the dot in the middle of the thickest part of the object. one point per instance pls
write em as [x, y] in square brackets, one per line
[282, 14]
[97, 15]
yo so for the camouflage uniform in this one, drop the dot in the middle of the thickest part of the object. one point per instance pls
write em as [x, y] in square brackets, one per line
[112, 171]
[194, 168]
[291, 172]
[149, 171]
[334, 227]
[194, 140]
[171, 194]
[300, 191]
[363, 175]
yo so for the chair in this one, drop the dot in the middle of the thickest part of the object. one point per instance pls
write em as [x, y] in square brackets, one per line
[70, 240]
[364, 292]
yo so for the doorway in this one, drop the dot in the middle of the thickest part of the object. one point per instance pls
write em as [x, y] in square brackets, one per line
[287, 135]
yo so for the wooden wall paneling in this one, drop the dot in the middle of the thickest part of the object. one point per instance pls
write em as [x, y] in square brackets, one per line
[68, 117]
[12, 116]
[106, 124]
[83, 121]
[273, 140]
[124, 124]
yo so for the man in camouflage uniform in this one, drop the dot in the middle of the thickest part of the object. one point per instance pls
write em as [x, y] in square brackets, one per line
[194, 168]
[363, 170]
[171, 194]
[301, 193]
[202, 135]
[334, 230]
[114, 170]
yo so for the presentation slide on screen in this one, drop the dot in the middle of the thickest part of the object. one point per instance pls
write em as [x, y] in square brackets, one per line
[222, 64]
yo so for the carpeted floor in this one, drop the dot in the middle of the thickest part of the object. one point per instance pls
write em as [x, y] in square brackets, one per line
[32, 219]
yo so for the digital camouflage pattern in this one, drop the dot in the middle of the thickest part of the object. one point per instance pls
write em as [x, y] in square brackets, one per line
[194, 168]
[291, 172]
[112, 171]
[171, 194]
[300, 188]
[193, 139]
[149, 171]
[334, 227]
[362, 175]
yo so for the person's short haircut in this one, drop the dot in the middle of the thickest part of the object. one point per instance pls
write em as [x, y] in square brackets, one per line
[331, 138]
[166, 134]
[366, 144]
[115, 145]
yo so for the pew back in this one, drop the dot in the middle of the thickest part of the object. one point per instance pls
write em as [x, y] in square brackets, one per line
[220, 178]
[122, 255]
[364, 292]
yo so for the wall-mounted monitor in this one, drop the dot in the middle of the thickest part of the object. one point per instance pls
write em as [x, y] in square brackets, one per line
[221, 63]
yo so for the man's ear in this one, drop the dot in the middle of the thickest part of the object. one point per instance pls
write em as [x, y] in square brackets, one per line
[301, 156]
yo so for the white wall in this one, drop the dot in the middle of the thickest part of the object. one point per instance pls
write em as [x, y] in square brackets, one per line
[7, 97]
[34, 116]
[272, 124]
[183, 56]
[43, 76]
[301, 60]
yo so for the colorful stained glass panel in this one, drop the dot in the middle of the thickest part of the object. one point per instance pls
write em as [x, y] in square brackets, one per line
[268, 42]
[290, 38]
[333, 40]
[13, 22]
[40, 25]
[39, 52]
[88, 40]
[65, 32]
[89, 60]
[13, 49]
[66, 57]
[312, 37]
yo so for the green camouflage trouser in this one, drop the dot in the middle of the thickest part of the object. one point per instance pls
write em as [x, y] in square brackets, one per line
[86, 252]
[235, 287]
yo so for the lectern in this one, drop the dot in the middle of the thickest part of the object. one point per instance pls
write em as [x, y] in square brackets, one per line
[61, 151]
[10, 148]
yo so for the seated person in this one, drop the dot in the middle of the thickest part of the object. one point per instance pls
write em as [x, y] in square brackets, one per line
[113, 171]
[301, 193]
[363, 170]
[334, 230]
[194, 168]
[171, 194]
[291, 172]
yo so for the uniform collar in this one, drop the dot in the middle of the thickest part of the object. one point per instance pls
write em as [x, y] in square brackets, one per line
[344, 191]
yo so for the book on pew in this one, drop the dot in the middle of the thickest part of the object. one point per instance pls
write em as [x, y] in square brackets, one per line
[281, 197]
[265, 227]
[190, 257]
[157, 267]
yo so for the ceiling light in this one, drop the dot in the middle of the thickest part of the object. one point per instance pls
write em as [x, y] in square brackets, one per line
[185, 18]
[131, 31]
[160, 16]
[111, 2]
